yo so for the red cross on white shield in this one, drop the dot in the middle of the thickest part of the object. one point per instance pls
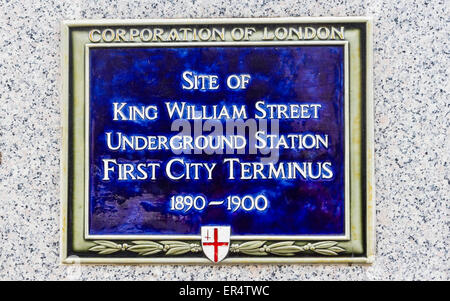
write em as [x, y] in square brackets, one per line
[216, 242]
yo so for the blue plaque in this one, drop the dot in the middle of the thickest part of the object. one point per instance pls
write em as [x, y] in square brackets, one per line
[218, 142]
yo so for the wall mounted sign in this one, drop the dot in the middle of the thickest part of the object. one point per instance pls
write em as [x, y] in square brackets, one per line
[217, 140]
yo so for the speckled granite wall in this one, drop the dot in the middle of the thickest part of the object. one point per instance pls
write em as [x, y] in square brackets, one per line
[412, 145]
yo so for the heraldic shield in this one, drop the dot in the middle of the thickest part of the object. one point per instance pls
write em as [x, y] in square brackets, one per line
[216, 242]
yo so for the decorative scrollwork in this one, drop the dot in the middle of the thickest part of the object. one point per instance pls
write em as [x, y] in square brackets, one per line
[254, 247]
[144, 248]
[285, 248]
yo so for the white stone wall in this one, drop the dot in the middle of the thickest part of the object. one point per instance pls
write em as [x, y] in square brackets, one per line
[411, 91]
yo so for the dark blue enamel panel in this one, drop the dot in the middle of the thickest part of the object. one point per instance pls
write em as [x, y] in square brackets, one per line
[152, 76]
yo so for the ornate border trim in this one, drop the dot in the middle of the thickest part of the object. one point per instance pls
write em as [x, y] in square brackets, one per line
[254, 248]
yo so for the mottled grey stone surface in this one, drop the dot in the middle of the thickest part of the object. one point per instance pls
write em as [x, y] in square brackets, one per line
[411, 91]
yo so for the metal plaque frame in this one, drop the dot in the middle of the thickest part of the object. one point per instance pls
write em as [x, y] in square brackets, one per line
[358, 243]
